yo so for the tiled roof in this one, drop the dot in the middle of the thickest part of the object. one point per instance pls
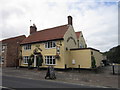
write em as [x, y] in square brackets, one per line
[46, 34]
[78, 34]
[13, 38]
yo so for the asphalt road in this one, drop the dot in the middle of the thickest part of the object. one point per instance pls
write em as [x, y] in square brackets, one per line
[16, 82]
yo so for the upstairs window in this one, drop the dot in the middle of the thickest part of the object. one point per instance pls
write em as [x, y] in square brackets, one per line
[27, 47]
[50, 44]
[3, 48]
[81, 46]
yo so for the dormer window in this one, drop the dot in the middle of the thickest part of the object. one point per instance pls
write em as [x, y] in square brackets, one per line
[50, 44]
[27, 47]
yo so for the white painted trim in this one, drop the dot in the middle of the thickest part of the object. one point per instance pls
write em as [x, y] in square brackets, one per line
[50, 64]
[51, 48]
[35, 60]
[25, 63]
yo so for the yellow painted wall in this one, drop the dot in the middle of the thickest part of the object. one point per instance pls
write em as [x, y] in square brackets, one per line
[98, 57]
[81, 57]
[46, 52]
[69, 44]
[70, 33]
[82, 41]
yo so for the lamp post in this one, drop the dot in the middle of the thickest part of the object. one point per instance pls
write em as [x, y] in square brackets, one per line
[113, 65]
[16, 63]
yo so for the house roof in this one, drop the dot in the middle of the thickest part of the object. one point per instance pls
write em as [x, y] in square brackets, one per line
[78, 34]
[46, 34]
[13, 38]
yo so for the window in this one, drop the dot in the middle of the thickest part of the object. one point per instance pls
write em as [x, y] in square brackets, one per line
[50, 60]
[3, 48]
[58, 50]
[50, 44]
[27, 47]
[25, 59]
[81, 46]
[1, 59]
[91, 53]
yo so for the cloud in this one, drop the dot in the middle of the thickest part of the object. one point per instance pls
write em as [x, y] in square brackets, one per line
[97, 20]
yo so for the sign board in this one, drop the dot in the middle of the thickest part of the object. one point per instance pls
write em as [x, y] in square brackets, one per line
[73, 61]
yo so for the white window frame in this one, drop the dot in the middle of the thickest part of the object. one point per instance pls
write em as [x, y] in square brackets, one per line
[27, 47]
[3, 48]
[47, 58]
[80, 45]
[2, 60]
[57, 50]
[50, 44]
[25, 59]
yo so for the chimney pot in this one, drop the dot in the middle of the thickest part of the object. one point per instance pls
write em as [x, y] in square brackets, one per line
[69, 20]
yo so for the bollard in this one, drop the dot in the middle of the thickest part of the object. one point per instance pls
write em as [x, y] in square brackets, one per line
[79, 68]
[65, 67]
[113, 67]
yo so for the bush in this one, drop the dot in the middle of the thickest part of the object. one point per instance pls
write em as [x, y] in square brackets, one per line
[93, 62]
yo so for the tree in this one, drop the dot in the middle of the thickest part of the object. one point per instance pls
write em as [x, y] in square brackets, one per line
[30, 61]
[93, 62]
[39, 60]
[113, 55]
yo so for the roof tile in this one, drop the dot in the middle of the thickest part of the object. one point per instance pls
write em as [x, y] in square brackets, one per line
[46, 34]
[78, 34]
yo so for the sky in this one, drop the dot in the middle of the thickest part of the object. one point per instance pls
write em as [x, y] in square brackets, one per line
[97, 19]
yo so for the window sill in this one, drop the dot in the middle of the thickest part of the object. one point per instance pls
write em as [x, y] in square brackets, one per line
[25, 63]
[27, 50]
[51, 48]
[50, 64]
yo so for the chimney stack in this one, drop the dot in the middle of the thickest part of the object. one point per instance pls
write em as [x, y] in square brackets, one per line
[69, 20]
[33, 29]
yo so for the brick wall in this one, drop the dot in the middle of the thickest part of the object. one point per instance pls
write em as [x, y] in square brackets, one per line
[12, 51]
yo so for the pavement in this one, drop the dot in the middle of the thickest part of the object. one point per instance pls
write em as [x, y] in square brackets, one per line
[102, 78]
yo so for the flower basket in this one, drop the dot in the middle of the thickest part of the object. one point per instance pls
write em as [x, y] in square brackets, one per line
[57, 56]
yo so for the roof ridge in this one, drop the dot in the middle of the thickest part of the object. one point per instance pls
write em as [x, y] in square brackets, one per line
[13, 37]
[49, 29]
[52, 28]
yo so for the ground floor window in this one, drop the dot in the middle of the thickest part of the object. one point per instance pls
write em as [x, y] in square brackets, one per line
[50, 60]
[1, 59]
[25, 59]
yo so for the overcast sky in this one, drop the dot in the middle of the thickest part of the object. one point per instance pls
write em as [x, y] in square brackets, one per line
[97, 19]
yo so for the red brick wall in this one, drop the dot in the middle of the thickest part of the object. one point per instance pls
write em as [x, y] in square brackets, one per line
[13, 50]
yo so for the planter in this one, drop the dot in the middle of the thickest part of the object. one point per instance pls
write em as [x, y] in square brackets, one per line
[57, 57]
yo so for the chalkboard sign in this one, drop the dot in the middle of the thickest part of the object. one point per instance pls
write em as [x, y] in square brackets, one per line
[50, 73]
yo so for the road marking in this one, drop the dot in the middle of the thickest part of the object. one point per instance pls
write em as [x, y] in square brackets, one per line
[6, 88]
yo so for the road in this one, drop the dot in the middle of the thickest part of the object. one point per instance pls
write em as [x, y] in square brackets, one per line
[17, 82]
